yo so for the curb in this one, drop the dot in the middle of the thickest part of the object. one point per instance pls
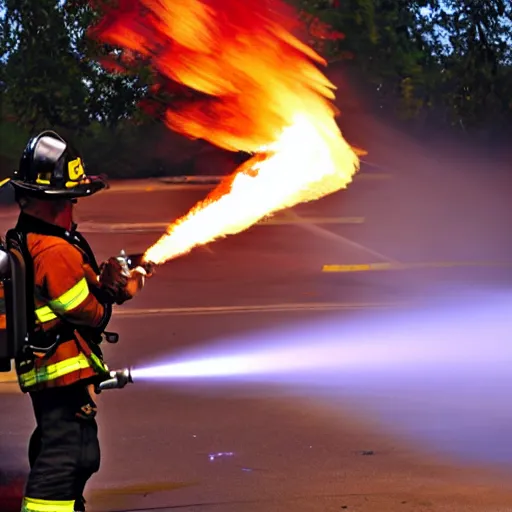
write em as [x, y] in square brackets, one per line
[8, 377]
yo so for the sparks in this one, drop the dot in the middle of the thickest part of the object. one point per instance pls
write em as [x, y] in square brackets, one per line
[259, 91]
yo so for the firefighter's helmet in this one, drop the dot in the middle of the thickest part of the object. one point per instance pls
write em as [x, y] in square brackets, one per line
[50, 167]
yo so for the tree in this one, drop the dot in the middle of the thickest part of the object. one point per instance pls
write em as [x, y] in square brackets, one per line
[113, 95]
[450, 60]
[43, 79]
[447, 58]
[476, 58]
[51, 75]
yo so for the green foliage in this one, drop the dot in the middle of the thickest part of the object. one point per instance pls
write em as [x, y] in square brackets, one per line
[476, 72]
[448, 61]
[51, 77]
[13, 139]
[127, 150]
[43, 79]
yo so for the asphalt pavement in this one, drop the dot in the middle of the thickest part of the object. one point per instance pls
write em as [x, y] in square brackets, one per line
[273, 445]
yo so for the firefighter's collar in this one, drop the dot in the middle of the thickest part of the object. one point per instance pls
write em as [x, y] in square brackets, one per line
[30, 224]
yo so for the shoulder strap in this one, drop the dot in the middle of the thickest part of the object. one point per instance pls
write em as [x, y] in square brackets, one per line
[18, 240]
[79, 241]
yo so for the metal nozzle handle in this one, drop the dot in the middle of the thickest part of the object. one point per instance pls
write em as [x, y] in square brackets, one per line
[137, 260]
[118, 380]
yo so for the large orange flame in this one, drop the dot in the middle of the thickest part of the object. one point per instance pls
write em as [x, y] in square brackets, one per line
[260, 92]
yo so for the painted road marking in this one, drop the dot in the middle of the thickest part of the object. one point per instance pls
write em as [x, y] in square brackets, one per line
[8, 376]
[205, 183]
[266, 308]
[157, 187]
[406, 266]
[128, 227]
[9, 383]
[313, 220]
[336, 237]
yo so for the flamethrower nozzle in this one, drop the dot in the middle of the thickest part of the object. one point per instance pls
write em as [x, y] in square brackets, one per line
[133, 261]
[136, 270]
[118, 380]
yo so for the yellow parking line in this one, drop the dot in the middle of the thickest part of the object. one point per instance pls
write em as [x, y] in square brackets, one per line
[406, 266]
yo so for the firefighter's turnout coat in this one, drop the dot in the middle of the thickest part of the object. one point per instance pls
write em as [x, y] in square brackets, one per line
[69, 310]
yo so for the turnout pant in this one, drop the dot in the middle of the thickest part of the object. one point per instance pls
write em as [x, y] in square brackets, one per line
[64, 450]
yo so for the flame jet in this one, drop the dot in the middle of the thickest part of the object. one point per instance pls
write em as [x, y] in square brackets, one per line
[256, 88]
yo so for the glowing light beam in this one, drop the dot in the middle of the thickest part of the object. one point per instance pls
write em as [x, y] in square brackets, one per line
[440, 373]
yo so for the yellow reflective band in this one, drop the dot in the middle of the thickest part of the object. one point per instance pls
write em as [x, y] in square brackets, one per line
[66, 302]
[98, 364]
[72, 298]
[36, 505]
[54, 371]
[45, 314]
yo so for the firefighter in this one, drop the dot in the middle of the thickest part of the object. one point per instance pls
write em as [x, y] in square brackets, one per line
[70, 302]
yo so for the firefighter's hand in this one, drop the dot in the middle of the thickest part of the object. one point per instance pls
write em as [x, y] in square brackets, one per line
[113, 280]
[133, 286]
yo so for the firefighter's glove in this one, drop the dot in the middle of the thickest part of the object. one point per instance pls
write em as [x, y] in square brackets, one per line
[134, 285]
[113, 280]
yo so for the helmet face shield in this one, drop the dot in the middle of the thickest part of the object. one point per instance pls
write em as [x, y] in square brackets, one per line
[46, 160]
[47, 150]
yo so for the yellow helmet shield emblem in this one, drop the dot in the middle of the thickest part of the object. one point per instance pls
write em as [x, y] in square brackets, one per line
[76, 172]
